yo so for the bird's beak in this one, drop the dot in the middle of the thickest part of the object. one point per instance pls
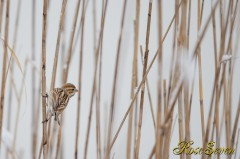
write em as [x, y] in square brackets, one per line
[76, 90]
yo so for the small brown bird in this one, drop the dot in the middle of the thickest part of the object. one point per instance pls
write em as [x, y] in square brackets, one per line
[58, 100]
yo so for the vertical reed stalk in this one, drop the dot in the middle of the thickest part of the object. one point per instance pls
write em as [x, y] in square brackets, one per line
[94, 78]
[44, 35]
[34, 137]
[214, 40]
[172, 85]
[235, 124]
[134, 77]
[114, 88]
[38, 113]
[235, 154]
[69, 55]
[135, 125]
[98, 91]
[149, 92]
[63, 47]
[200, 71]
[66, 70]
[177, 65]
[159, 135]
[12, 67]
[183, 48]
[19, 97]
[105, 128]
[95, 26]
[54, 71]
[4, 70]
[143, 74]
[1, 13]
[55, 64]
[80, 80]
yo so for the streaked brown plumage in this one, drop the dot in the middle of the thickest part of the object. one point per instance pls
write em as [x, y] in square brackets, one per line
[58, 100]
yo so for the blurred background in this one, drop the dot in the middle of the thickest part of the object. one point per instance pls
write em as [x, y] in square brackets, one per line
[24, 97]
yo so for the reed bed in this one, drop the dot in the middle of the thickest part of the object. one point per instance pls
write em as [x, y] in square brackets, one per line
[186, 54]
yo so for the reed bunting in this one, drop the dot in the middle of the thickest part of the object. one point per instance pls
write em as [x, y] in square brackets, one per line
[58, 100]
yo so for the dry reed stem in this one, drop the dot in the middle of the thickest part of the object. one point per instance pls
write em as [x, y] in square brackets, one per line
[234, 14]
[12, 68]
[228, 94]
[98, 114]
[231, 68]
[200, 12]
[54, 70]
[176, 76]
[94, 79]
[214, 39]
[4, 70]
[235, 127]
[33, 49]
[225, 101]
[222, 51]
[159, 136]
[19, 97]
[192, 88]
[180, 119]
[167, 139]
[235, 154]
[69, 55]
[228, 84]
[66, 70]
[215, 61]
[56, 126]
[189, 22]
[78, 31]
[169, 136]
[223, 32]
[80, 79]
[183, 44]
[203, 30]
[135, 125]
[148, 91]
[134, 77]
[171, 85]
[217, 89]
[40, 151]
[98, 91]
[44, 34]
[95, 26]
[1, 13]
[172, 103]
[63, 46]
[14, 88]
[211, 107]
[105, 128]
[114, 88]
[179, 40]
[58, 146]
[143, 85]
[139, 87]
[173, 58]
[37, 121]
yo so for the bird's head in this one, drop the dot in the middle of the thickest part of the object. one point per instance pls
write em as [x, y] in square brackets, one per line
[70, 89]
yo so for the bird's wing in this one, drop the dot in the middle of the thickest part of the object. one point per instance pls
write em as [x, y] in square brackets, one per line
[55, 97]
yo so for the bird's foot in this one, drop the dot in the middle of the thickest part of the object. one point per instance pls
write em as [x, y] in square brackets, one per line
[45, 96]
